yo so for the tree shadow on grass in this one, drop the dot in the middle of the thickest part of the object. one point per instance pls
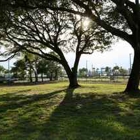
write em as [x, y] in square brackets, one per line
[17, 100]
[66, 115]
[92, 116]
[26, 83]
[21, 115]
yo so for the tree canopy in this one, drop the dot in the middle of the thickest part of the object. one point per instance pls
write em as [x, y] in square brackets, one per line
[51, 34]
[118, 17]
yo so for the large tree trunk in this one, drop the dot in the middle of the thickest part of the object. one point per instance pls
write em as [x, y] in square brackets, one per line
[72, 73]
[73, 83]
[133, 82]
[72, 76]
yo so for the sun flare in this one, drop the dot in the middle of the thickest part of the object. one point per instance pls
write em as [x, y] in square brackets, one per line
[86, 23]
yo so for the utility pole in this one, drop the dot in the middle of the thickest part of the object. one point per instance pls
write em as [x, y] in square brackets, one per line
[8, 69]
[130, 61]
[8, 78]
[87, 67]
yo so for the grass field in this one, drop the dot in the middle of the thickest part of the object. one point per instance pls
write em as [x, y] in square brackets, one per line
[53, 112]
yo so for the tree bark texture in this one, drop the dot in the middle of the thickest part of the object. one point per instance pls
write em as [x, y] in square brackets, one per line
[133, 82]
[73, 83]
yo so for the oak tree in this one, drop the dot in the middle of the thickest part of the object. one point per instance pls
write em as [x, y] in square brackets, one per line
[41, 31]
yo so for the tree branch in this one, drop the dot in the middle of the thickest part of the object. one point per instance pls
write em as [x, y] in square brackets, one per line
[10, 57]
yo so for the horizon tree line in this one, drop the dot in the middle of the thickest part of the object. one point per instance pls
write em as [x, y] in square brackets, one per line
[32, 69]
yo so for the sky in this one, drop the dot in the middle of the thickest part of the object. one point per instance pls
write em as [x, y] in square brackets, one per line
[119, 54]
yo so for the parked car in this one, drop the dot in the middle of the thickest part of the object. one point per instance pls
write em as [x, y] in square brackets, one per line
[7, 79]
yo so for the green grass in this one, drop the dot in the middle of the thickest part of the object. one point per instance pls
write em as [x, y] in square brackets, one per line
[53, 112]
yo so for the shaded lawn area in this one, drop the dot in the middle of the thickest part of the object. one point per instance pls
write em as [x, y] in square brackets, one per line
[53, 112]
